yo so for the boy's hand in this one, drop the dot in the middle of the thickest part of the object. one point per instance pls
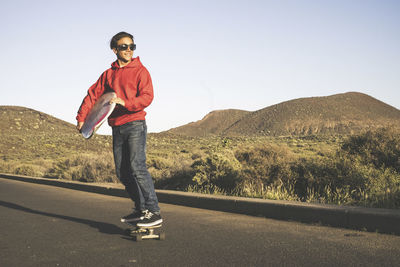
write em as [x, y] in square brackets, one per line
[118, 101]
[79, 125]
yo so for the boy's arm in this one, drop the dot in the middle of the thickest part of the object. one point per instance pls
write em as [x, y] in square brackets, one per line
[94, 92]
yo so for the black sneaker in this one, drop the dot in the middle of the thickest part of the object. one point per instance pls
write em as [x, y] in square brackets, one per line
[150, 219]
[136, 216]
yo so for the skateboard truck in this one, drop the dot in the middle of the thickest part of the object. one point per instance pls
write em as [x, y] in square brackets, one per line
[143, 233]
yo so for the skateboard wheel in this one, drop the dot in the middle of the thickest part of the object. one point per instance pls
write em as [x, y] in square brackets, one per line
[162, 236]
[138, 238]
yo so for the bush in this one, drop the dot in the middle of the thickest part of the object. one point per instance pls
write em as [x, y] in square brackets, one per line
[265, 164]
[25, 170]
[219, 170]
[170, 171]
[380, 148]
[85, 168]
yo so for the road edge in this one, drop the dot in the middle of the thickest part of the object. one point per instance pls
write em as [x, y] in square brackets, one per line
[359, 218]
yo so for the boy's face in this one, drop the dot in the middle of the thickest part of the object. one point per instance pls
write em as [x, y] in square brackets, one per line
[123, 51]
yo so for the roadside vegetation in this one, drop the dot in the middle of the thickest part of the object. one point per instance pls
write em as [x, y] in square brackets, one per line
[361, 169]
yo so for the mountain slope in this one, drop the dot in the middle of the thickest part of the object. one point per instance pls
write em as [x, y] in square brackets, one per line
[14, 119]
[214, 123]
[27, 133]
[346, 113]
[337, 114]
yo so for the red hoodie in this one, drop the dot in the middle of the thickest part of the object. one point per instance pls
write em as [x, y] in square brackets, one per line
[132, 83]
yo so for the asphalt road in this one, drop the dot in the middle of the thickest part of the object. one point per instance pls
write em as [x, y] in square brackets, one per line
[42, 225]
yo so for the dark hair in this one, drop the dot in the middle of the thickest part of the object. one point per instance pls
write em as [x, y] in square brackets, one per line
[117, 37]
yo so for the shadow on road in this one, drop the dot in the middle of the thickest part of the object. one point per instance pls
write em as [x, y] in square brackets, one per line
[102, 227]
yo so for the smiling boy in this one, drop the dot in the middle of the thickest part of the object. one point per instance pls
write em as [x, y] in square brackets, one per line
[131, 82]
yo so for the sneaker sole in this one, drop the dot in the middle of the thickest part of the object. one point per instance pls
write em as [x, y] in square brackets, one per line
[150, 224]
[131, 220]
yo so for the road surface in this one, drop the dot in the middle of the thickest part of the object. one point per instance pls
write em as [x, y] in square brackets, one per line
[50, 226]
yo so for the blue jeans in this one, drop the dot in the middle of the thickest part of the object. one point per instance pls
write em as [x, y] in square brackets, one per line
[129, 146]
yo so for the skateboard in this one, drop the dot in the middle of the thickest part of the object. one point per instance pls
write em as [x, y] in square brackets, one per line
[141, 233]
[99, 113]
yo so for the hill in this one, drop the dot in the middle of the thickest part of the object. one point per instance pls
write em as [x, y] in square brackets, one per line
[347, 113]
[30, 134]
[213, 123]
[14, 120]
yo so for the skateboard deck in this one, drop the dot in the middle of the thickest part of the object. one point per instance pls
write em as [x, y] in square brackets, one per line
[99, 113]
[142, 233]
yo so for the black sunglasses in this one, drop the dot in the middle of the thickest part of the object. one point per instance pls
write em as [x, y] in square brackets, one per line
[124, 47]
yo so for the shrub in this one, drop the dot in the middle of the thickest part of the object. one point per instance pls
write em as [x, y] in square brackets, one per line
[379, 147]
[217, 169]
[85, 168]
[265, 164]
[25, 170]
[170, 171]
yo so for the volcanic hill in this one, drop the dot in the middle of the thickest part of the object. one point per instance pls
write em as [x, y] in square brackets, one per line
[347, 113]
[213, 123]
[27, 133]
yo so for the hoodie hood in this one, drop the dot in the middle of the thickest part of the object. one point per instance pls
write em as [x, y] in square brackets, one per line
[134, 64]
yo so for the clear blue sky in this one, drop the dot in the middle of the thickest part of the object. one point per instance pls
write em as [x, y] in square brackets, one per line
[202, 55]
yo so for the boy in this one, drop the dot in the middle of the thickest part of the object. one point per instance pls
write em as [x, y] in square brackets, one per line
[131, 81]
